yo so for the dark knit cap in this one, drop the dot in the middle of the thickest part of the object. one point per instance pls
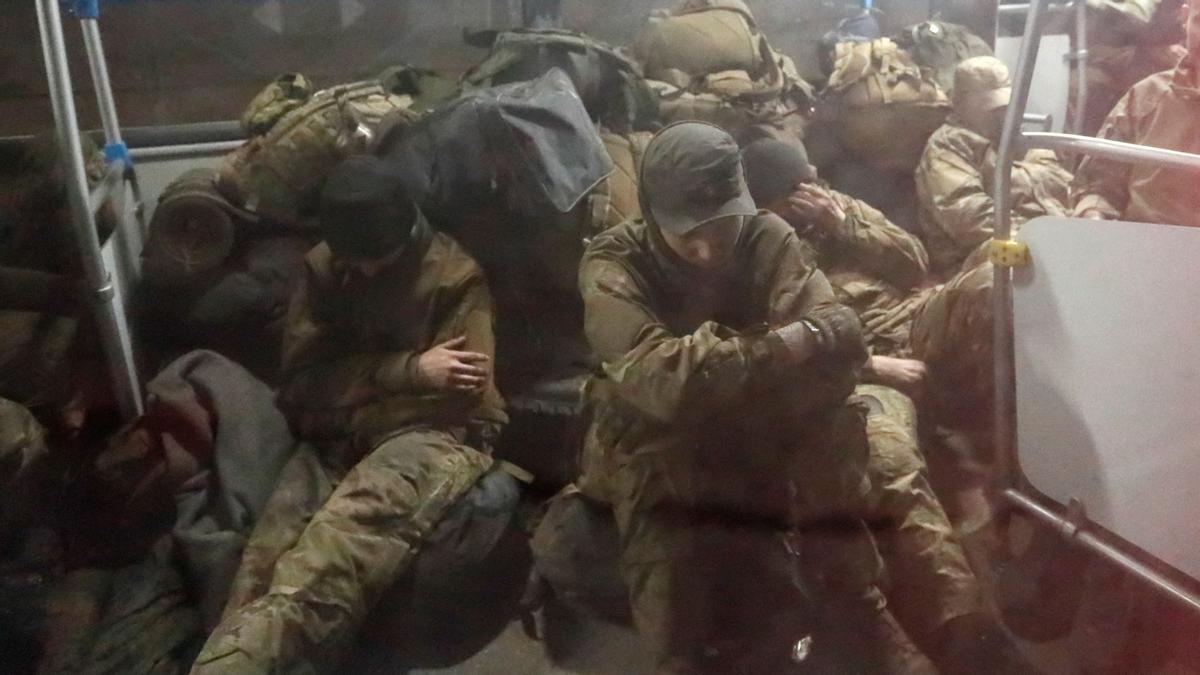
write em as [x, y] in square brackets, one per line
[366, 212]
[773, 168]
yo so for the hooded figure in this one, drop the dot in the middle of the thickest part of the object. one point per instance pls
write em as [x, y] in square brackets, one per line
[955, 174]
[721, 427]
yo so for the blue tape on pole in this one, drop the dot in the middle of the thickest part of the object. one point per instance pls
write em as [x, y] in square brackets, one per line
[117, 151]
[86, 9]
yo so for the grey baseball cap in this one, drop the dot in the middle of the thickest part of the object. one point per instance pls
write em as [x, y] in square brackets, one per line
[692, 174]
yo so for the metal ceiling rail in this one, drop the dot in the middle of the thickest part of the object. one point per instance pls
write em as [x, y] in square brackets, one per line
[1024, 8]
[1013, 139]
[110, 317]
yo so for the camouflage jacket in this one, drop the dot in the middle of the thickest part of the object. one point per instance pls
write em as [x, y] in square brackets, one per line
[875, 268]
[342, 326]
[696, 407]
[1163, 111]
[1128, 40]
[954, 191]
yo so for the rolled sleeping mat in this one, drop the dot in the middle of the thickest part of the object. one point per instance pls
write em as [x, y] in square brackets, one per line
[192, 230]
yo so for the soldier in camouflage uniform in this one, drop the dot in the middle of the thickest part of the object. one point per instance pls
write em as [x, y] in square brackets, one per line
[1163, 111]
[722, 423]
[879, 270]
[387, 370]
[954, 177]
[1128, 40]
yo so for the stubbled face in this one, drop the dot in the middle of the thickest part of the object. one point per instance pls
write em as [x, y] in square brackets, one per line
[709, 246]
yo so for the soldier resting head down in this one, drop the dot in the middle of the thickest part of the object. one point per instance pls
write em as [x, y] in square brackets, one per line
[722, 424]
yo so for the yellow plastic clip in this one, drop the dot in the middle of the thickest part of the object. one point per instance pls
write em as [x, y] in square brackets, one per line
[1009, 253]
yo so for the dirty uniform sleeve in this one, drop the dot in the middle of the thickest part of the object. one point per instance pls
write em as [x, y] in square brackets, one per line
[318, 369]
[869, 243]
[1103, 184]
[951, 189]
[472, 314]
[323, 378]
[667, 377]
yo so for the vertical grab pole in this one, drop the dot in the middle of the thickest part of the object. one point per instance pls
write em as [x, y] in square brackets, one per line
[117, 350]
[1080, 64]
[1002, 336]
[114, 145]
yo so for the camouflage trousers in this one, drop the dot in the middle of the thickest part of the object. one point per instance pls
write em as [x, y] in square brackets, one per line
[735, 606]
[928, 580]
[322, 555]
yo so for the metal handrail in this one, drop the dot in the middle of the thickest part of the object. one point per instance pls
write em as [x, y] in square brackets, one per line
[1024, 8]
[188, 151]
[1002, 338]
[113, 329]
[1079, 63]
[1012, 139]
[1072, 531]
[1115, 150]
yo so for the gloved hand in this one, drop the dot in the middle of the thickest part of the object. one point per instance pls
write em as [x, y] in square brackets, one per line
[840, 331]
[802, 339]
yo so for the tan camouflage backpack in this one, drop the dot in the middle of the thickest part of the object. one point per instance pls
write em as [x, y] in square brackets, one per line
[939, 46]
[288, 92]
[749, 96]
[881, 104]
[700, 37]
[615, 200]
[277, 175]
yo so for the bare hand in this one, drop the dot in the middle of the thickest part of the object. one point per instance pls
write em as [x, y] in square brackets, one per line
[446, 368]
[907, 375]
[814, 205]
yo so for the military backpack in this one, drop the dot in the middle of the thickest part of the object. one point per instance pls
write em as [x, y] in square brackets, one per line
[882, 106]
[938, 47]
[278, 175]
[609, 82]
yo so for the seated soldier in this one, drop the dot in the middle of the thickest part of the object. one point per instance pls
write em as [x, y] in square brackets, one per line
[386, 361]
[878, 270]
[1163, 111]
[721, 423]
[954, 177]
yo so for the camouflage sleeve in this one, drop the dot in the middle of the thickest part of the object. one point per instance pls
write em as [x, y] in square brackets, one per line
[797, 287]
[325, 385]
[950, 188]
[666, 377]
[1041, 186]
[472, 314]
[1103, 184]
[869, 243]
